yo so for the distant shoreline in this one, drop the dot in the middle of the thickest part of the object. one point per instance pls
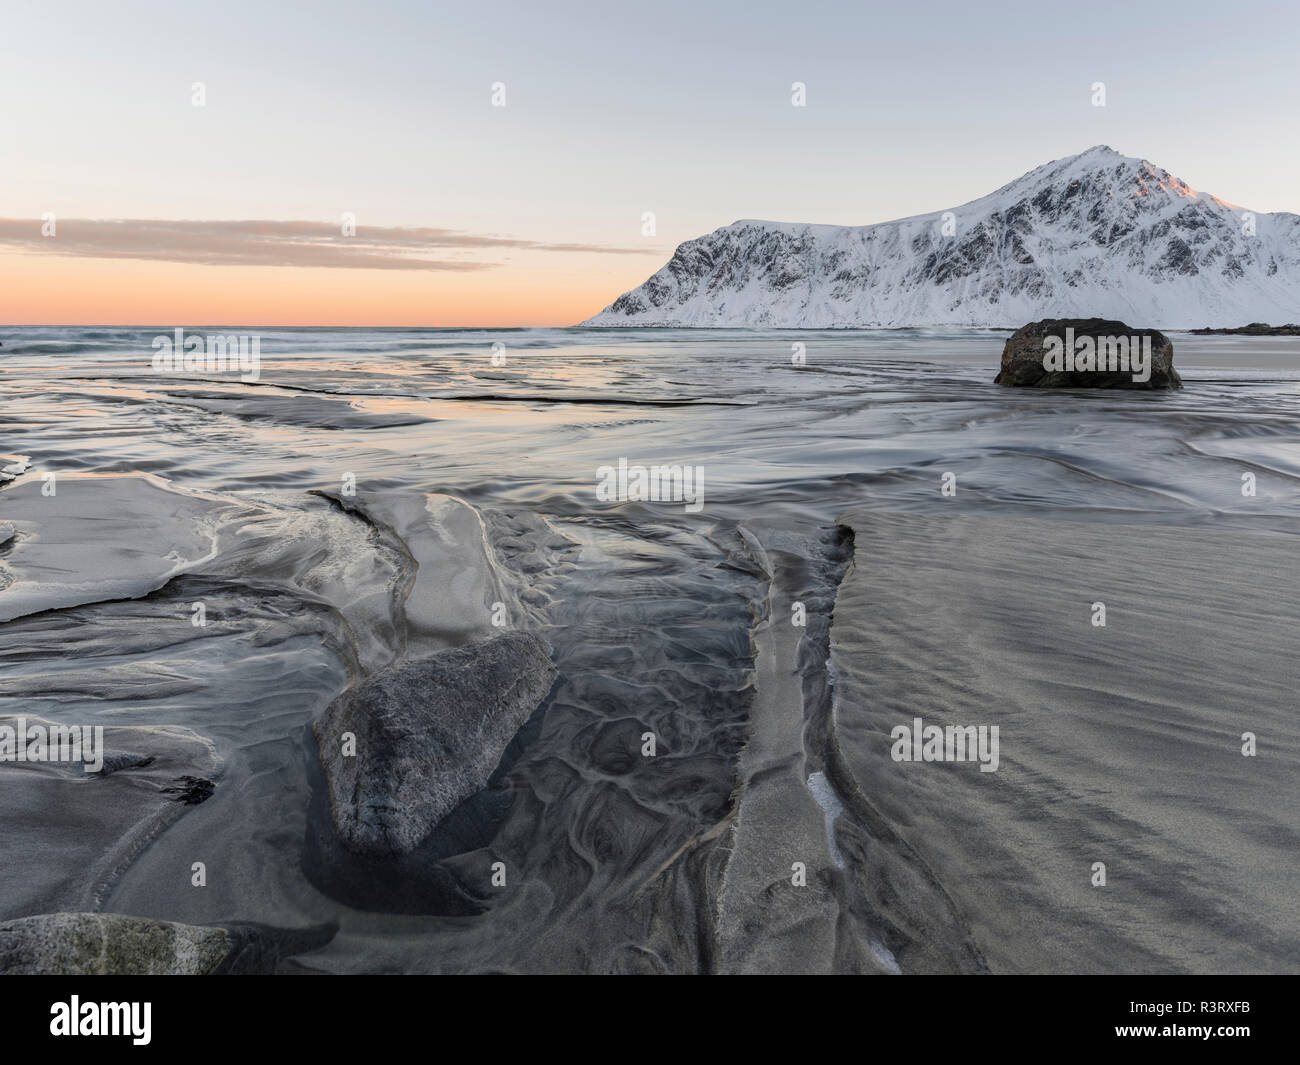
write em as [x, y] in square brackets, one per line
[1255, 329]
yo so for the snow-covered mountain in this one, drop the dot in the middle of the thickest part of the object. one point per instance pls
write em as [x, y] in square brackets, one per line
[1097, 234]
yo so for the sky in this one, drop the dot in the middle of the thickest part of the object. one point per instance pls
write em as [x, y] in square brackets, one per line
[534, 213]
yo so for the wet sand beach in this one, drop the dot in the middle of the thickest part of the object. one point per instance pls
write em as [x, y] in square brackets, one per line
[377, 496]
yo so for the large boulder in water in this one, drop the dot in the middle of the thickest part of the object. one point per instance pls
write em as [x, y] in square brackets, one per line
[427, 735]
[1023, 356]
[89, 944]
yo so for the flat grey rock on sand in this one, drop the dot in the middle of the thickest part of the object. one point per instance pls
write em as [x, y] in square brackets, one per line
[428, 735]
[1022, 357]
[91, 944]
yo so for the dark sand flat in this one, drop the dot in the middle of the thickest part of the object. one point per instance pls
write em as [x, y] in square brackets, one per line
[1120, 744]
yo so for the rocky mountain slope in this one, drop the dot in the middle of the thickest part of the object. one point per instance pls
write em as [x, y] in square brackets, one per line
[1094, 234]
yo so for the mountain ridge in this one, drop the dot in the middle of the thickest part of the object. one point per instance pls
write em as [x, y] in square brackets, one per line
[1092, 234]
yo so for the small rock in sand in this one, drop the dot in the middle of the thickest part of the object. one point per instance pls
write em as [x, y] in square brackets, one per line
[89, 944]
[428, 734]
[1023, 362]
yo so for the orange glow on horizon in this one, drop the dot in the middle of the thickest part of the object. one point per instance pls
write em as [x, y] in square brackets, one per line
[55, 290]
